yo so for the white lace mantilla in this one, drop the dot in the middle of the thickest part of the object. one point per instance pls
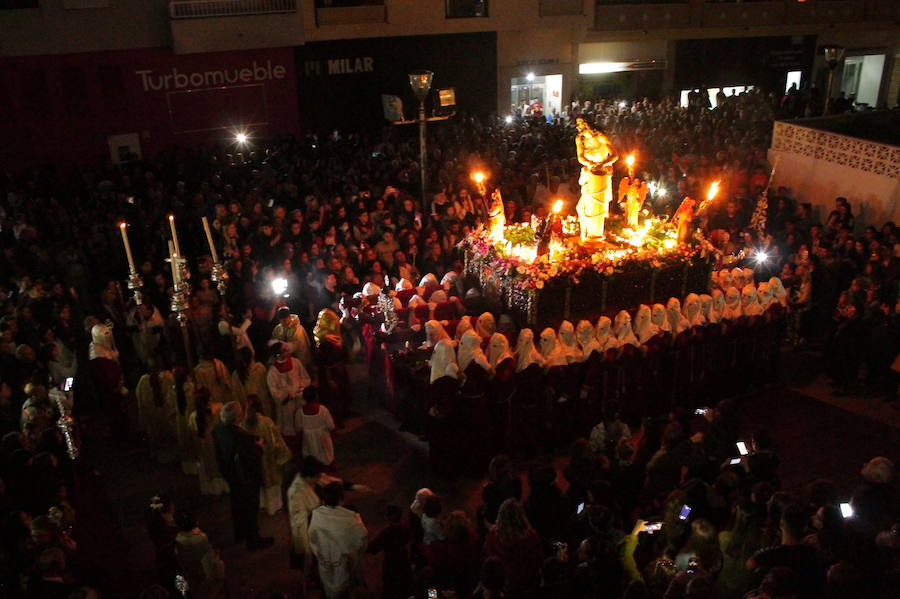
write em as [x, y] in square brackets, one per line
[867, 156]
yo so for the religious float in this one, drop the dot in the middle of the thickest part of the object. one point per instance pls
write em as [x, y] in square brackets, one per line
[574, 266]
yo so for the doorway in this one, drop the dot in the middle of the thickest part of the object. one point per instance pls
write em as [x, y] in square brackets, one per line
[532, 90]
[861, 78]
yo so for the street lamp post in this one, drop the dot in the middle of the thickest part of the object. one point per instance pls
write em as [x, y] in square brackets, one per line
[420, 82]
[833, 57]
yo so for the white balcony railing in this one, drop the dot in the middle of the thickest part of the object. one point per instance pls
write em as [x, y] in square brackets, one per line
[199, 9]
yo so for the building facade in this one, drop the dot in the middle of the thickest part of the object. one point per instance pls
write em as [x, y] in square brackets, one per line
[84, 78]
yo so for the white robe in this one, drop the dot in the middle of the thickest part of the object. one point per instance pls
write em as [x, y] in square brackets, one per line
[317, 441]
[284, 385]
[301, 501]
[338, 538]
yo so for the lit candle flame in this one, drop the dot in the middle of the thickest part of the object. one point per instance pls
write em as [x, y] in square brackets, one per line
[478, 177]
[557, 206]
[629, 160]
[713, 190]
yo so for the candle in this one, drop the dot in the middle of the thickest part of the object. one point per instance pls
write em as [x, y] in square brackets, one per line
[123, 227]
[629, 161]
[209, 239]
[174, 234]
[173, 262]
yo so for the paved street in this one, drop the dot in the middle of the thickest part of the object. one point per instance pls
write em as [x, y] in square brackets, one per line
[815, 439]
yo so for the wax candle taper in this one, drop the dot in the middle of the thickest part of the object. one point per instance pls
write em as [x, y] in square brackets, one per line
[209, 239]
[123, 227]
[174, 234]
[173, 260]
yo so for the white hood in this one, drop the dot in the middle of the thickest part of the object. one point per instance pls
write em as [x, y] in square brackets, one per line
[749, 301]
[553, 354]
[434, 332]
[526, 353]
[587, 340]
[644, 328]
[103, 345]
[732, 310]
[498, 349]
[470, 351]
[622, 328]
[567, 342]
[692, 311]
[442, 358]
[677, 321]
[604, 334]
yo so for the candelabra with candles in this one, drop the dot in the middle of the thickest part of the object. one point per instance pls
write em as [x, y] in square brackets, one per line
[134, 279]
[219, 274]
[179, 303]
[180, 291]
[185, 273]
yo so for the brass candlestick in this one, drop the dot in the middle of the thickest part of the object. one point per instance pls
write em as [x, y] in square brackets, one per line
[220, 277]
[134, 285]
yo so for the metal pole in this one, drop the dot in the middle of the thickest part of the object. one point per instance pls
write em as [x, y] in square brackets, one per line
[828, 90]
[423, 154]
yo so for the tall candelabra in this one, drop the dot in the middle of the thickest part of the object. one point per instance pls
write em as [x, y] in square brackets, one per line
[219, 274]
[179, 303]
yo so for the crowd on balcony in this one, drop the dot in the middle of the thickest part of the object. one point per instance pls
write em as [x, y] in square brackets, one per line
[302, 226]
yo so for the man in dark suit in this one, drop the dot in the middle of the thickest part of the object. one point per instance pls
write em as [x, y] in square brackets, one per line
[240, 461]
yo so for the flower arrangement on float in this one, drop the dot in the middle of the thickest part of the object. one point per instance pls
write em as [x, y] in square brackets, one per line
[653, 245]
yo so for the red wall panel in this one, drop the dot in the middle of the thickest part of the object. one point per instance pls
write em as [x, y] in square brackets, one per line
[62, 108]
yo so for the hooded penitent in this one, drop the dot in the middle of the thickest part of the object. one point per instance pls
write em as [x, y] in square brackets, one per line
[587, 341]
[750, 302]
[526, 353]
[677, 321]
[403, 284]
[644, 329]
[450, 281]
[328, 328]
[498, 349]
[464, 324]
[692, 310]
[486, 326]
[778, 292]
[434, 332]
[718, 306]
[550, 349]
[658, 317]
[725, 280]
[102, 343]
[371, 289]
[442, 358]
[705, 307]
[749, 277]
[567, 343]
[604, 334]
[764, 294]
[416, 302]
[470, 352]
[622, 329]
[428, 279]
[732, 310]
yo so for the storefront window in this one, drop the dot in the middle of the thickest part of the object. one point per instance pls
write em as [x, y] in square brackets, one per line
[532, 95]
[466, 9]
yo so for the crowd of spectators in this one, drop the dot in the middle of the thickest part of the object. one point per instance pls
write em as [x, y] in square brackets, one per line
[329, 214]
